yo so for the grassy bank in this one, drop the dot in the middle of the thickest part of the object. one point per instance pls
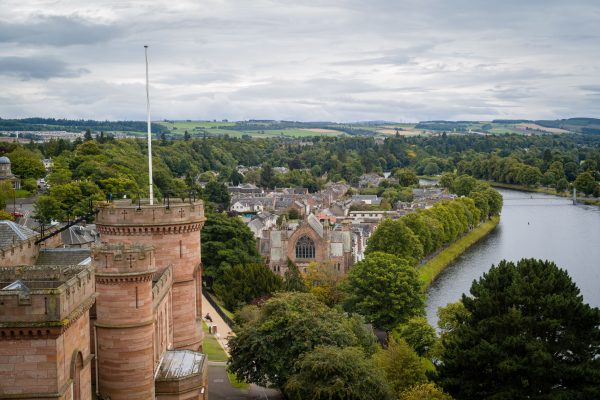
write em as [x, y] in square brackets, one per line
[432, 268]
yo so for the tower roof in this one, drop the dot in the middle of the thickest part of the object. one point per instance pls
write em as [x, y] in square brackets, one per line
[4, 160]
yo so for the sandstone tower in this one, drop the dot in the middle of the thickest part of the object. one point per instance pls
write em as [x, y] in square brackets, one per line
[124, 325]
[174, 232]
[149, 296]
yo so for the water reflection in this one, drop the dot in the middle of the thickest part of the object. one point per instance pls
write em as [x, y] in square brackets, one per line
[532, 226]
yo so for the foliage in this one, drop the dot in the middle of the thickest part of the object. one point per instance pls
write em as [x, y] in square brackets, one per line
[418, 334]
[406, 177]
[216, 192]
[424, 391]
[585, 183]
[6, 193]
[46, 209]
[450, 317]
[385, 290]
[324, 282]
[226, 241]
[26, 163]
[6, 216]
[293, 281]
[527, 334]
[396, 238]
[401, 365]
[265, 350]
[243, 283]
[331, 373]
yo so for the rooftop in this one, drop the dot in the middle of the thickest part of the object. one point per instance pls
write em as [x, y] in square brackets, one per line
[11, 233]
[63, 256]
[180, 364]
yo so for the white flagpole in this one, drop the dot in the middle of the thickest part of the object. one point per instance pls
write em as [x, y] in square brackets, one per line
[149, 131]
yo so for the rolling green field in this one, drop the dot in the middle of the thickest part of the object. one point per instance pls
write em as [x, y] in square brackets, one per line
[199, 128]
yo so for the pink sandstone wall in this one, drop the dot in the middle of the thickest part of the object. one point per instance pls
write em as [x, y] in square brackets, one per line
[125, 335]
[26, 252]
[175, 235]
[45, 365]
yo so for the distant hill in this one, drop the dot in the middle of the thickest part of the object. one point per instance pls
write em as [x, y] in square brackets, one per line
[590, 126]
[52, 124]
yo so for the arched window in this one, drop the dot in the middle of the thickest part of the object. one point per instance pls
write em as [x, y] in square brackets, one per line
[305, 248]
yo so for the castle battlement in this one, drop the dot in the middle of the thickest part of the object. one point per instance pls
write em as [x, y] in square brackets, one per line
[144, 216]
[44, 296]
[162, 285]
[123, 259]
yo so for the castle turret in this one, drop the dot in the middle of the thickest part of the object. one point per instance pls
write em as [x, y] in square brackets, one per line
[174, 232]
[124, 325]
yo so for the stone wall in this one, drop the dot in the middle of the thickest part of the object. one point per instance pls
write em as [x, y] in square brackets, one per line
[53, 364]
[25, 252]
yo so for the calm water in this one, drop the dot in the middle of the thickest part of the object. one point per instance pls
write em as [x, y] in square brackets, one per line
[531, 225]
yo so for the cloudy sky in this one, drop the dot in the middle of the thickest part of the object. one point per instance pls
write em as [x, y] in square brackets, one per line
[337, 60]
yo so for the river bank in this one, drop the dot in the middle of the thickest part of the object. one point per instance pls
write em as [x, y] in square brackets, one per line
[433, 267]
[545, 190]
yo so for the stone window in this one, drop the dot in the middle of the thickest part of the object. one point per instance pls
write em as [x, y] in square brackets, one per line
[305, 248]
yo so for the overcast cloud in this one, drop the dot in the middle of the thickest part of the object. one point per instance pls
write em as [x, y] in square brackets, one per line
[343, 60]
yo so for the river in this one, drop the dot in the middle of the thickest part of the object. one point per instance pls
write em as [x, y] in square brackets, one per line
[532, 225]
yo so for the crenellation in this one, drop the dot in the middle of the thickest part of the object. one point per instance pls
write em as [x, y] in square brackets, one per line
[53, 293]
[124, 213]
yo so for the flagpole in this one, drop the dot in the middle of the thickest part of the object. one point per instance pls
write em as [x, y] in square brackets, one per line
[149, 131]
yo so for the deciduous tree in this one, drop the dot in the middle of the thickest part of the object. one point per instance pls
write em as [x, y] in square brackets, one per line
[331, 373]
[384, 289]
[266, 349]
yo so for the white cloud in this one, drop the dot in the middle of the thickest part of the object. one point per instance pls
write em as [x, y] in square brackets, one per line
[345, 61]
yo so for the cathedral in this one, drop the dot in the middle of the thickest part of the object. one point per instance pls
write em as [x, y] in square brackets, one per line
[310, 241]
[125, 324]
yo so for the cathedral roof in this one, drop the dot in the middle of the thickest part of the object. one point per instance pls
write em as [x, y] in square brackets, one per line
[315, 224]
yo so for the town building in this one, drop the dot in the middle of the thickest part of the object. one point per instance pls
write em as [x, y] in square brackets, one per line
[6, 174]
[309, 241]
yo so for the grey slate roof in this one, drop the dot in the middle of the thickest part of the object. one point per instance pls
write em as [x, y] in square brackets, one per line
[78, 235]
[13, 233]
[315, 224]
[63, 256]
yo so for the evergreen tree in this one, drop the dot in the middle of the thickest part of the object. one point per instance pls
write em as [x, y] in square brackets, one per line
[526, 335]
[293, 281]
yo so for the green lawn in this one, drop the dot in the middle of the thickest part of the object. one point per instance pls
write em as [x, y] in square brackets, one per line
[214, 352]
[235, 383]
[432, 268]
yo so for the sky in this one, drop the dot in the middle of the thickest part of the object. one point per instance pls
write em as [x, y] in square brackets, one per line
[337, 60]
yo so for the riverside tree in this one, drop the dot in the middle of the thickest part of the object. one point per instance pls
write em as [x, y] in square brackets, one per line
[396, 238]
[526, 334]
[385, 290]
